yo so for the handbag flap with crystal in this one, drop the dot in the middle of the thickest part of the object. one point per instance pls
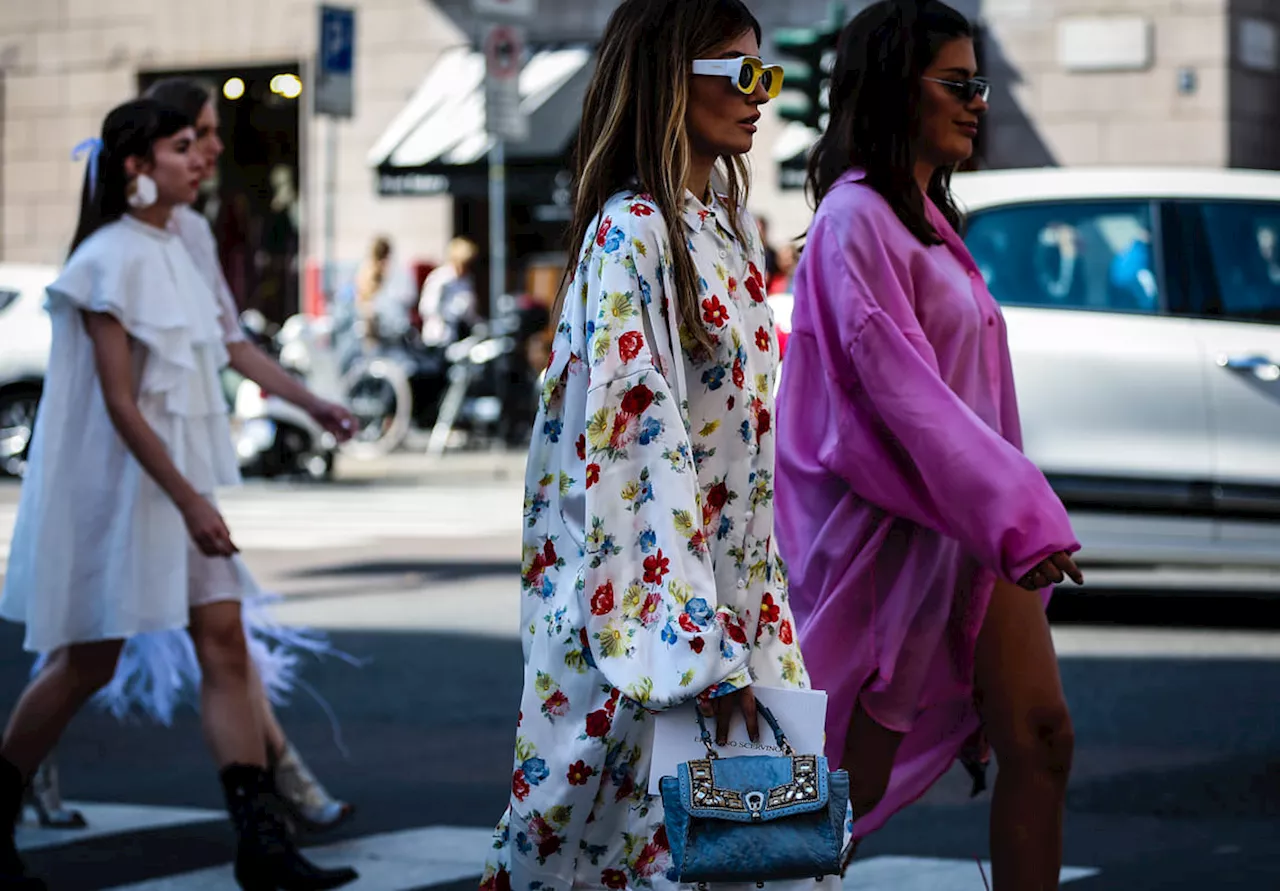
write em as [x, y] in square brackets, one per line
[753, 788]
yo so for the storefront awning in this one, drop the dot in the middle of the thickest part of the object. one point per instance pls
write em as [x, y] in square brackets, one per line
[438, 142]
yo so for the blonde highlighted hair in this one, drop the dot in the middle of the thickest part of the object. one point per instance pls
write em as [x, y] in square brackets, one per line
[633, 127]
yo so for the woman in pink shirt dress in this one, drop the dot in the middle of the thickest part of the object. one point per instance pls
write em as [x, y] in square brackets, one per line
[921, 542]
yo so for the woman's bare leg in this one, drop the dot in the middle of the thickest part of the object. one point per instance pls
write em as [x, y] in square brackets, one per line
[1025, 714]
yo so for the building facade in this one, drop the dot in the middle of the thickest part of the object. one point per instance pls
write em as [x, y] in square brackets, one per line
[1078, 82]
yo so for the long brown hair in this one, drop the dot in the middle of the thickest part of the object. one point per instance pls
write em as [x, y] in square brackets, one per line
[875, 105]
[633, 127]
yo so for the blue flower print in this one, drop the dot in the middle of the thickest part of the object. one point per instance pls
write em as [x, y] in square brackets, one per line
[698, 610]
[648, 541]
[646, 292]
[702, 286]
[614, 240]
[523, 844]
[552, 429]
[650, 431]
[714, 377]
[645, 495]
[669, 635]
[535, 771]
[548, 588]
[726, 526]
[746, 431]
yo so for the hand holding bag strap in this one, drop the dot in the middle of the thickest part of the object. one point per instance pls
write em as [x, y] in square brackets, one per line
[779, 737]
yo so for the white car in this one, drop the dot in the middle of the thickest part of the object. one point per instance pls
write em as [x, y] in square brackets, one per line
[25, 335]
[1144, 321]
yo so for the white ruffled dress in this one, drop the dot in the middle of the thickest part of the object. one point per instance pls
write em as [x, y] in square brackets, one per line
[99, 551]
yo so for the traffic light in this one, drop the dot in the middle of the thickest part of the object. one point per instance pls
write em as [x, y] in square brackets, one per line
[805, 87]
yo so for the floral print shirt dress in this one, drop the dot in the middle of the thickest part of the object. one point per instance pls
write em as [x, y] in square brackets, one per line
[650, 573]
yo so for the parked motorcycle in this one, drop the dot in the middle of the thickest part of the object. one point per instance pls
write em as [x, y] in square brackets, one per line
[273, 437]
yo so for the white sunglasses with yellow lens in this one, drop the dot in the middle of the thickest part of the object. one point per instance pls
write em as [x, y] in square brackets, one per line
[746, 72]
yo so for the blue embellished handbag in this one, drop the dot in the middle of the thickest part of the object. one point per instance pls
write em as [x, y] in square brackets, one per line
[755, 818]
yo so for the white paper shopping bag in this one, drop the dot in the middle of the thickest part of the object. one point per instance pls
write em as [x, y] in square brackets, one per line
[676, 738]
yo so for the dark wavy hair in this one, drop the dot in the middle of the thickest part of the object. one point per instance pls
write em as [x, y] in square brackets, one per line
[186, 94]
[875, 107]
[130, 130]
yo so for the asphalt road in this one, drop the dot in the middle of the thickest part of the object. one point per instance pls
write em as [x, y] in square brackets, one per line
[1175, 701]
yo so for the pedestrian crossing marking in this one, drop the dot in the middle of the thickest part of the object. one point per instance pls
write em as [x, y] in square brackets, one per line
[263, 517]
[428, 856]
[109, 819]
[390, 861]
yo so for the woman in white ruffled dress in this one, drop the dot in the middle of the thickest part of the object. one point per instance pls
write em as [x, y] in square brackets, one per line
[117, 532]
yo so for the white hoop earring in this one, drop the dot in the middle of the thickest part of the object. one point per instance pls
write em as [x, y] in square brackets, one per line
[142, 192]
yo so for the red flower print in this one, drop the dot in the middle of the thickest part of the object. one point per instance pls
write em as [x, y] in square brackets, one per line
[629, 345]
[714, 312]
[655, 567]
[612, 705]
[697, 644]
[649, 612]
[549, 552]
[718, 496]
[647, 862]
[763, 340]
[603, 231]
[641, 210]
[755, 285]
[579, 773]
[602, 601]
[735, 632]
[499, 881]
[548, 846]
[582, 447]
[637, 400]
[614, 878]
[784, 632]
[732, 401]
[660, 838]
[739, 376]
[769, 612]
[598, 723]
[698, 542]
[764, 423]
[557, 704]
[687, 623]
[703, 214]
[593, 474]
[519, 785]
[626, 790]
[733, 284]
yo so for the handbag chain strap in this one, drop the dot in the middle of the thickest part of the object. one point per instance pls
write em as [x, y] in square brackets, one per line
[763, 711]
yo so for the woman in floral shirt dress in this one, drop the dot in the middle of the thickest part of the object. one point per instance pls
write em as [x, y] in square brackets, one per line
[650, 574]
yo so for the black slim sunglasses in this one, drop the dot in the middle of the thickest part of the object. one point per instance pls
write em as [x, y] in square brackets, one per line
[967, 90]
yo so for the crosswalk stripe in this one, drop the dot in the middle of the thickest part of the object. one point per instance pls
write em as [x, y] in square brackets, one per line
[390, 861]
[110, 819]
[428, 856]
[263, 517]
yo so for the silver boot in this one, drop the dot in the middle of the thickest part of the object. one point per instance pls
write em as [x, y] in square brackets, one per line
[310, 804]
[44, 796]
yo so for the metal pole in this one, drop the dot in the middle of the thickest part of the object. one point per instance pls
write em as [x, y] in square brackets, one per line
[330, 217]
[497, 225]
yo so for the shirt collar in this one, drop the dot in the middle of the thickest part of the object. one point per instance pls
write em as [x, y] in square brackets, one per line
[697, 214]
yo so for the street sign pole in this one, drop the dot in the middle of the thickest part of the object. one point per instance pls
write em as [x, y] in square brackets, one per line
[333, 97]
[502, 40]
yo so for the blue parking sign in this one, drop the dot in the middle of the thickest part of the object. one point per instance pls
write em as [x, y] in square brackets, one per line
[337, 39]
[335, 62]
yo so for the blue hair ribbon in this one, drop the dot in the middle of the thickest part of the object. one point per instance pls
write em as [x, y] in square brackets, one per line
[93, 148]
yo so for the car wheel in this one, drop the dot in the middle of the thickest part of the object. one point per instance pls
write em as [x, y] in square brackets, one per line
[17, 426]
